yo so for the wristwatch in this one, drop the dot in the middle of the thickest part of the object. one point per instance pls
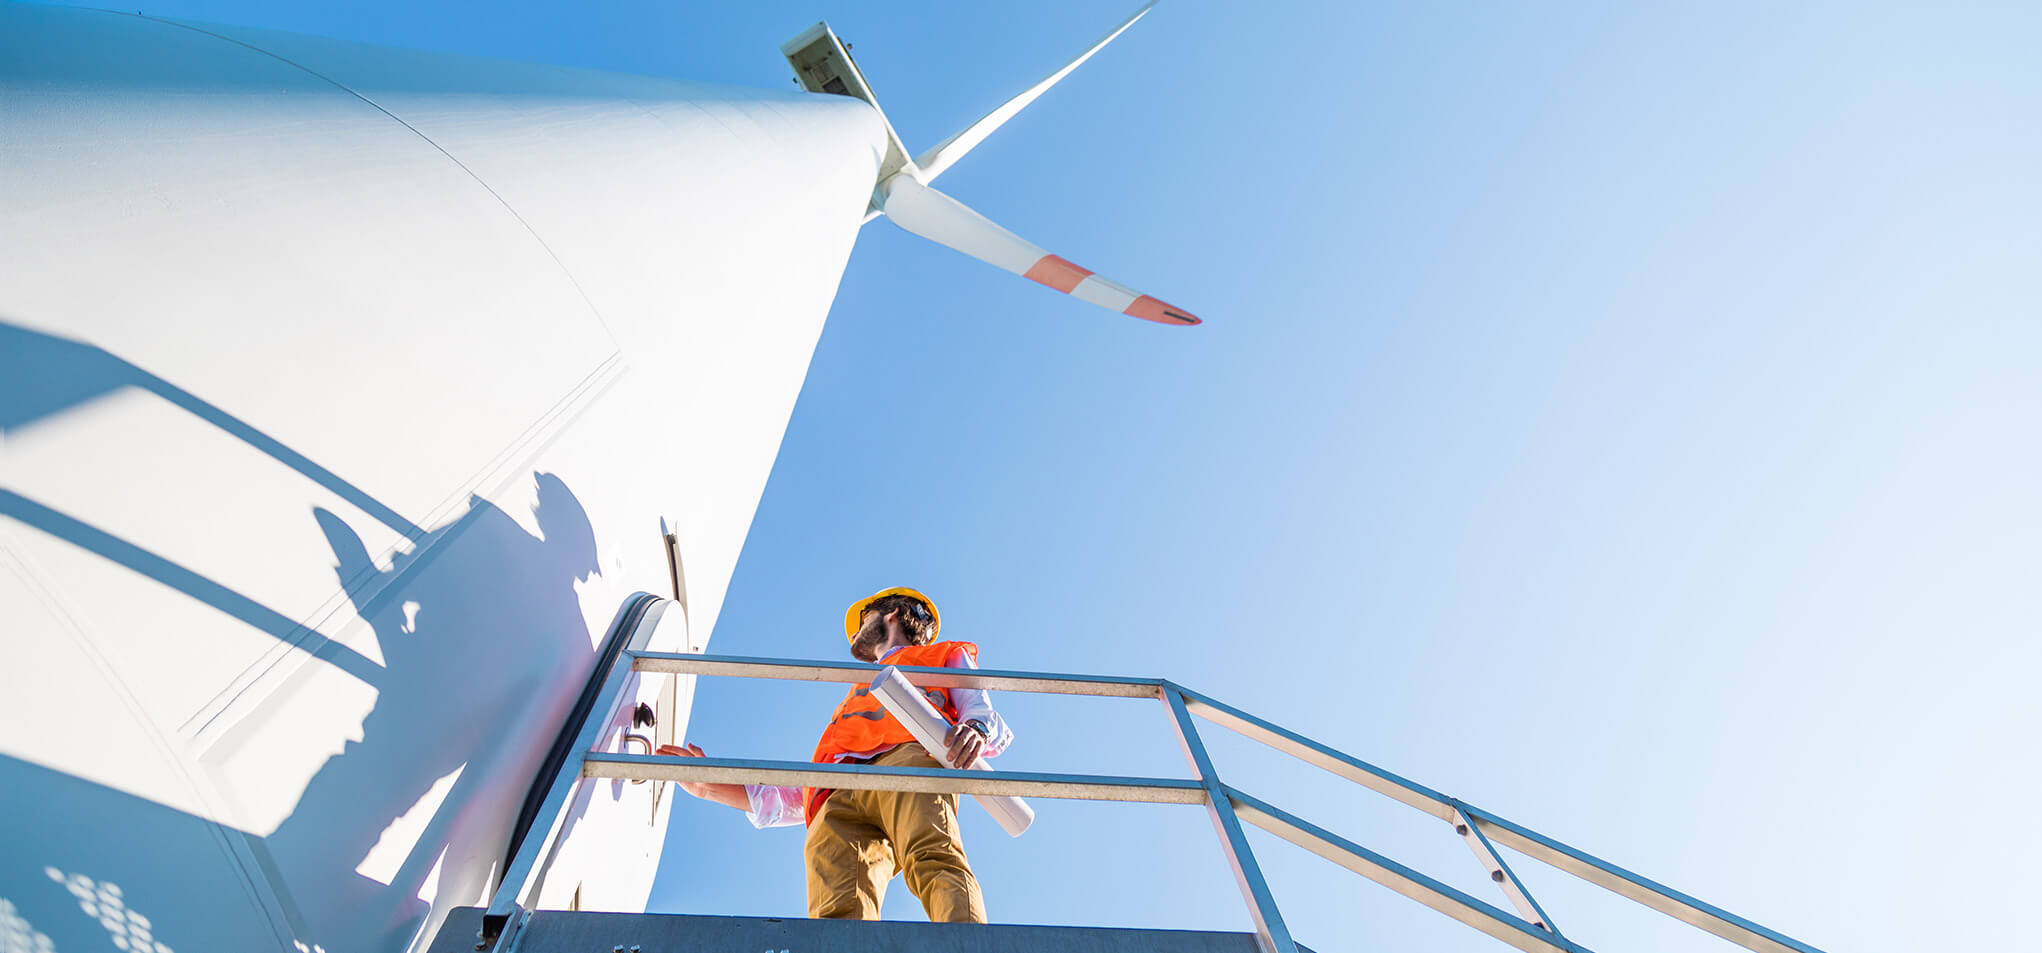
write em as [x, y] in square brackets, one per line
[980, 727]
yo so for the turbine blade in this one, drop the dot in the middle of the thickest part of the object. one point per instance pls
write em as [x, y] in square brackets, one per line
[945, 154]
[950, 223]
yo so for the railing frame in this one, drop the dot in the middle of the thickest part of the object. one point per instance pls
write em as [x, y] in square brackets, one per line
[1227, 807]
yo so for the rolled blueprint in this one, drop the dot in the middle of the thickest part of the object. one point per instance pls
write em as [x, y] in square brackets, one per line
[905, 702]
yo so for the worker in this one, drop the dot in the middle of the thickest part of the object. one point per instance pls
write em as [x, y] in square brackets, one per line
[858, 840]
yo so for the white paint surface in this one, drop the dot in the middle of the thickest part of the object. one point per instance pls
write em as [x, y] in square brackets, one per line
[345, 389]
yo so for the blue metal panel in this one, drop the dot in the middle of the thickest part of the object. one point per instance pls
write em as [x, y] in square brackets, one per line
[553, 931]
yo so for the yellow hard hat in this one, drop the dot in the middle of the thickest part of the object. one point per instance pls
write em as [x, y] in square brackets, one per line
[857, 609]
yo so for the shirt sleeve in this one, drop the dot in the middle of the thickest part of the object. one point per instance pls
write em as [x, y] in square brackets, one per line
[772, 805]
[978, 703]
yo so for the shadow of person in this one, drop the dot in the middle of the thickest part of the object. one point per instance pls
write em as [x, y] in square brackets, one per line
[485, 650]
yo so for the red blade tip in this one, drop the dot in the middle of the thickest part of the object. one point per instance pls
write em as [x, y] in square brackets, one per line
[1149, 309]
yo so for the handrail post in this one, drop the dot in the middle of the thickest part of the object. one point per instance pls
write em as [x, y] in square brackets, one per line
[1270, 933]
[502, 919]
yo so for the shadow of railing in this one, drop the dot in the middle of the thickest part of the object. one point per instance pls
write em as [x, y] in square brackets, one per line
[483, 645]
[42, 375]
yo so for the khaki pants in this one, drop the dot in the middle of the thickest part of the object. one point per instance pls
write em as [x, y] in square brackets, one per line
[861, 838]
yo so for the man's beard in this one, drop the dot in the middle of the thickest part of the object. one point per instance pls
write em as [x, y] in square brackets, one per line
[866, 645]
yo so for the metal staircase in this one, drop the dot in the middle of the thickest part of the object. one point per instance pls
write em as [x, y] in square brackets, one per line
[509, 926]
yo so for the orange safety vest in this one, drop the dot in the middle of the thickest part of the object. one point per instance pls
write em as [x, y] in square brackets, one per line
[862, 724]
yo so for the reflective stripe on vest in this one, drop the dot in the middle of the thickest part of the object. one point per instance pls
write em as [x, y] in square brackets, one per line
[861, 724]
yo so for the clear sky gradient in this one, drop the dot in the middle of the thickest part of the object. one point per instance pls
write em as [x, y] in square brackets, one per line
[1622, 417]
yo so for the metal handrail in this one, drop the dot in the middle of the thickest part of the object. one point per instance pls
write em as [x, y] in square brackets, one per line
[1227, 807]
[1522, 839]
[1432, 893]
[873, 777]
[857, 673]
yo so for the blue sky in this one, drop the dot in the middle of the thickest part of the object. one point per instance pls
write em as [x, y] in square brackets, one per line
[1619, 416]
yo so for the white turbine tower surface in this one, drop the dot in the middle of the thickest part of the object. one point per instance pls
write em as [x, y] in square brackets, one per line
[346, 393]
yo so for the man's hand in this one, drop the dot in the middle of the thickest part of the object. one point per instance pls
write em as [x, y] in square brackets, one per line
[695, 788]
[965, 744]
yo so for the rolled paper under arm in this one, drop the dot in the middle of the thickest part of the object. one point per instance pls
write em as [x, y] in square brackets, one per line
[901, 698]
